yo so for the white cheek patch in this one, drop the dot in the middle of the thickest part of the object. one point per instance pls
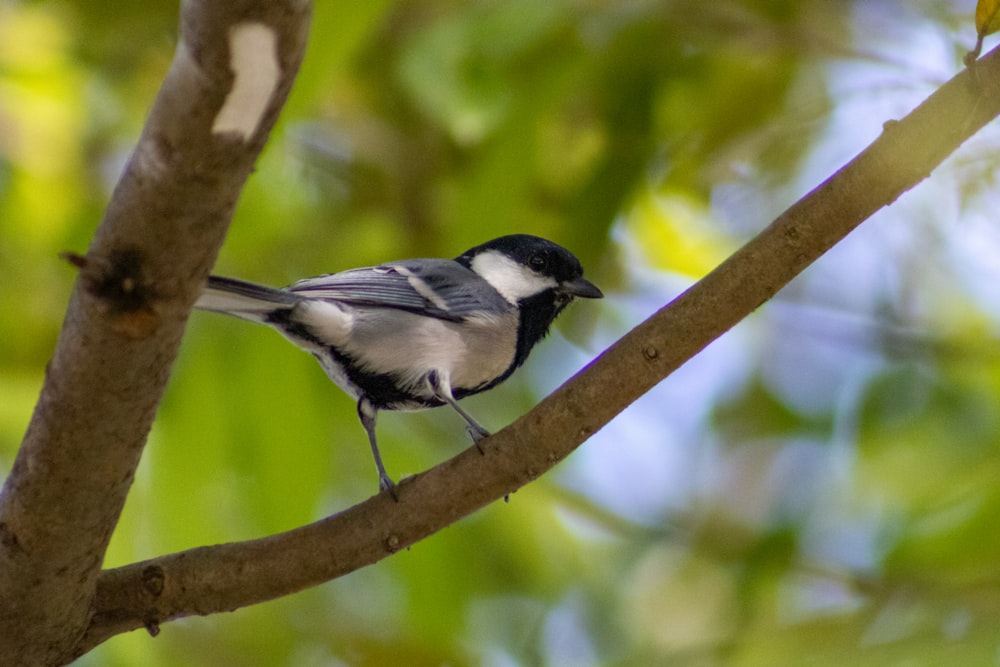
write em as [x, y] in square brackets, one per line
[513, 280]
[253, 59]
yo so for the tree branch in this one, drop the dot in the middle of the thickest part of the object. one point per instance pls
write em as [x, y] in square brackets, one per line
[232, 71]
[224, 577]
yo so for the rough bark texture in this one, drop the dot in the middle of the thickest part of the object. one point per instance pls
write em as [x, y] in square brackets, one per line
[143, 270]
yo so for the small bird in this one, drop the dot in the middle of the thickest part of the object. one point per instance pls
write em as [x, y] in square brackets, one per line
[418, 333]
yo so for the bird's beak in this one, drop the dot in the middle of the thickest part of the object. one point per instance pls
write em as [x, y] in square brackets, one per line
[583, 288]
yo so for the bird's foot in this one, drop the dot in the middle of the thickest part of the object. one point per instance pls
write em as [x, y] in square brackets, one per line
[386, 484]
[477, 433]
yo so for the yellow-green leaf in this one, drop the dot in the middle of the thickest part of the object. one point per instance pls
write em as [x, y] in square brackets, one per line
[987, 17]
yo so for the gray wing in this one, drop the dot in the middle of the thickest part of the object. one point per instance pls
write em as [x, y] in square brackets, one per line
[437, 287]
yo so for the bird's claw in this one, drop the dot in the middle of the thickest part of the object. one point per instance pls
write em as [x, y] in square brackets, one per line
[386, 484]
[477, 434]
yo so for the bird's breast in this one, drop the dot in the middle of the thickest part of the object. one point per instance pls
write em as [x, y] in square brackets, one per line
[406, 346]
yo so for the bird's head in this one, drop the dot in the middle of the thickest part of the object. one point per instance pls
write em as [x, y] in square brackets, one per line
[523, 268]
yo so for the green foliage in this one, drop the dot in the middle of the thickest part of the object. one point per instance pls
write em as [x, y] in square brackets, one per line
[839, 492]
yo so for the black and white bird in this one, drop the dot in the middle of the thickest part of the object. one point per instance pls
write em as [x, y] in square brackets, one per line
[418, 333]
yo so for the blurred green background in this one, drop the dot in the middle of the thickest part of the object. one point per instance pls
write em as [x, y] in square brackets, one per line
[818, 487]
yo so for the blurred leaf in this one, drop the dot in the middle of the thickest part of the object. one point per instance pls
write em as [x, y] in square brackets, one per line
[987, 17]
[675, 233]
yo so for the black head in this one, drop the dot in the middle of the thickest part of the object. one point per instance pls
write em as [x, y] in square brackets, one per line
[521, 266]
[537, 275]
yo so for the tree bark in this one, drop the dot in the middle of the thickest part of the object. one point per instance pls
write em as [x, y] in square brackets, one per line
[233, 68]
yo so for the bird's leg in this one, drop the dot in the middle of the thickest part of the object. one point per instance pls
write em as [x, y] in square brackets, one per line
[442, 390]
[367, 413]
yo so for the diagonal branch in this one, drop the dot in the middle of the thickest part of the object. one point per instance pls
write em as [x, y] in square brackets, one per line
[224, 577]
[232, 71]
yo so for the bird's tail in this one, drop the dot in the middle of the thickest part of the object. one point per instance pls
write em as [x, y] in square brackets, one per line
[242, 299]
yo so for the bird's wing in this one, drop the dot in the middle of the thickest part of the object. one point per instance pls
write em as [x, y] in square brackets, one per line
[436, 287]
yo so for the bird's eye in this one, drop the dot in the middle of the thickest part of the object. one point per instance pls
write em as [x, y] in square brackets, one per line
[537, 261]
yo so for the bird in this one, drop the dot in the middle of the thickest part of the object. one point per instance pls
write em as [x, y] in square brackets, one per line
[418, 333]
